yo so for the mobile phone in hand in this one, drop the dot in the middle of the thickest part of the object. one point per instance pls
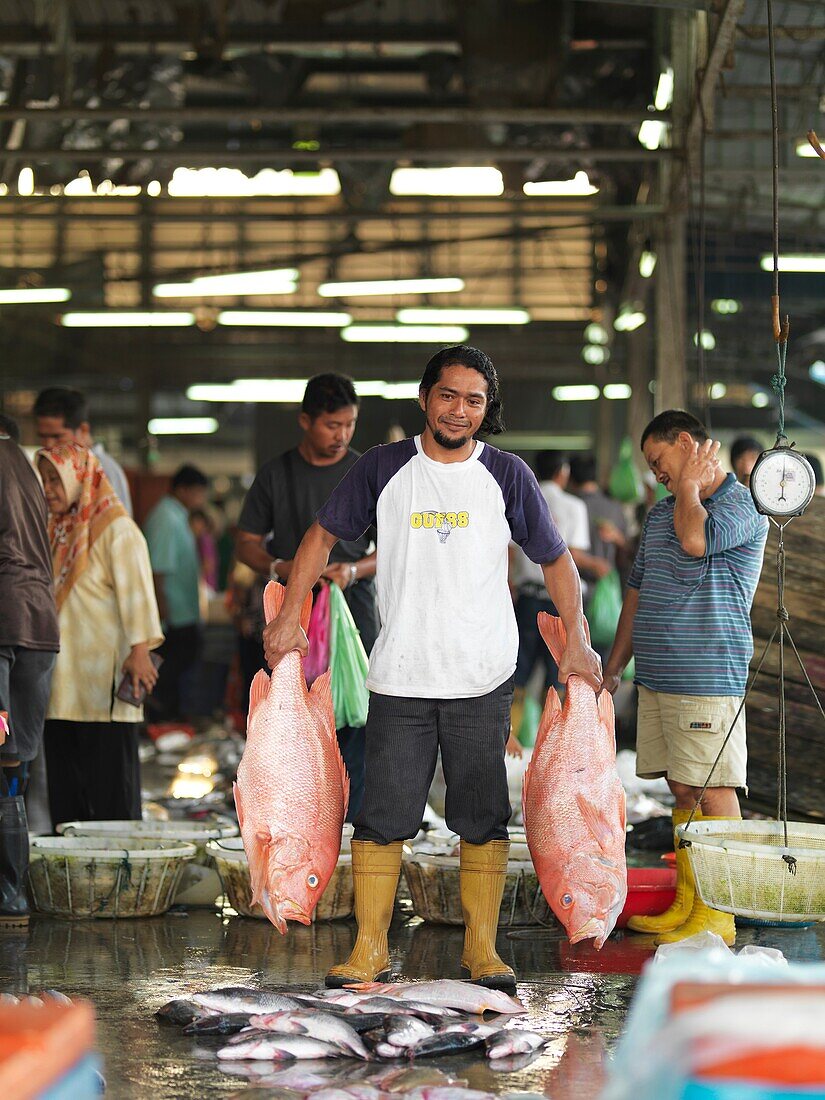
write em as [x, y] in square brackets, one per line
[124, 689]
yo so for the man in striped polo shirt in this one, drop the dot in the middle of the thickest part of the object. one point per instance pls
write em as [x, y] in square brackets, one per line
[686, 620]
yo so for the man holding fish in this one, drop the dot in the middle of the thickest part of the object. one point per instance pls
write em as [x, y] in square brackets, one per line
[446, 507]
[686, 620]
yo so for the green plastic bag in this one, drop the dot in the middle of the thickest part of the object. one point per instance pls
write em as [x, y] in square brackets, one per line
[604, 610]
[348, 663]
[529, 725]
[625, 483]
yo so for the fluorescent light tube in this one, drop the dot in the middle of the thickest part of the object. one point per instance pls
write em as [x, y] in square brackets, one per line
[25, 182]
[652, 133]
[241, 283]
[795, 263]
[595, 354]
[446, 181]
[291, 390]
[596, 333]
[25, 295]
[617, 391]
[277, 318]
[448, 316]
[580, 185]
[404, 334]
[182, 425]
[647, 264]
[816, 372]
[386, 287]
[664, 90]
[576, 393]
[232, 182]
[128, 319]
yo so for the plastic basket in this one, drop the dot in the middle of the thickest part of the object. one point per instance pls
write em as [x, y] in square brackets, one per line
[81, 877]
[336, 902]
[738, 867]
[191, 832]
[434, 884]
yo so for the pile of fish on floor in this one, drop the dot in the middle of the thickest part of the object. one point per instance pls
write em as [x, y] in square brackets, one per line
[48, 996]
[372, 1022]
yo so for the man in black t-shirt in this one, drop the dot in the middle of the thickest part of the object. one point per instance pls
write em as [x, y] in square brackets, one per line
[280, 508]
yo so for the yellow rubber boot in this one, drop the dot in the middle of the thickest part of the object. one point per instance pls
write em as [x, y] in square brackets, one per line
[375, 869]
[679, 911]
[702, 918]
[483, 871]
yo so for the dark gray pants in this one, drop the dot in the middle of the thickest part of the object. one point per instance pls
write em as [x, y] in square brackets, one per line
[25, 684]
[403, 738]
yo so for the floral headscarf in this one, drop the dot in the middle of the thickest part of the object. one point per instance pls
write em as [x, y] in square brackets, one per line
[93, 505]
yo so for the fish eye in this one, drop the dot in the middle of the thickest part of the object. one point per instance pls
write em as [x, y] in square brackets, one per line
[312, 881]
[567, 900]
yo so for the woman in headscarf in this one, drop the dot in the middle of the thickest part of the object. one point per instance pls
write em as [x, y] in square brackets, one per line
[109, 623]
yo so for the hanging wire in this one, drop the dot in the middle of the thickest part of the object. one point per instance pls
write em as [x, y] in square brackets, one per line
[780, 328]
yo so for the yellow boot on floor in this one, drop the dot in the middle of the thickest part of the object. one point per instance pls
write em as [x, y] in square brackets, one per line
[483, 871]
[375, 869]
[679, 911]
[702, 918]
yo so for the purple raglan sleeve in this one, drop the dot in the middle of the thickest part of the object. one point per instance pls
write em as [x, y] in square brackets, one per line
[350, 510]
[531, 525]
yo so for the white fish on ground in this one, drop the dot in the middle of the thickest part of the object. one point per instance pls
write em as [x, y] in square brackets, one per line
[407, 1031]
[470, 1027]
[278, 1048]
[513, 1041]
[440, 1092]
[318, 1025]
[244, 999]
[56, 995]
[453, 994]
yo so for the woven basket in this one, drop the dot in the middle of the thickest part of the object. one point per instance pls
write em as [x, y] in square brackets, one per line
[436, 893]
[739, 868]
[81, 877]
[336, 902]
[191, 832]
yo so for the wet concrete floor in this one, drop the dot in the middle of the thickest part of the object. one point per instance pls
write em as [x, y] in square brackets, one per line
[576, 997]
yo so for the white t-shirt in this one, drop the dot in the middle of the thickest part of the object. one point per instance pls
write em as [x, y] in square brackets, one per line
[571, 517]
[448, 630]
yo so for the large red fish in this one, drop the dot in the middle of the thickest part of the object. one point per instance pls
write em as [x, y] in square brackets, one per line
[574, 805]
[292, 788]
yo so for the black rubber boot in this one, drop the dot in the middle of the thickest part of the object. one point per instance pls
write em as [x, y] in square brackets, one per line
[14, 863]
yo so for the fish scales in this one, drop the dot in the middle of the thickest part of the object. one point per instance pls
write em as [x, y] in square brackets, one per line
[573, 805]
[291, 818]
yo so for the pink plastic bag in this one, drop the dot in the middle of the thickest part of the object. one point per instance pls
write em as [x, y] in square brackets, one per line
[317, 658]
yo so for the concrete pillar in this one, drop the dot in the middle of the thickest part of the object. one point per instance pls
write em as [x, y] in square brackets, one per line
[639, 376]
[671, 314]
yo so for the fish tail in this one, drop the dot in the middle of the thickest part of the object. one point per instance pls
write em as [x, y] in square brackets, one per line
[555, 636]
[274, 596]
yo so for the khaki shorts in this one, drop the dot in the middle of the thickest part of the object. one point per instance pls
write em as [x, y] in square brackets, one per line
[679, 736]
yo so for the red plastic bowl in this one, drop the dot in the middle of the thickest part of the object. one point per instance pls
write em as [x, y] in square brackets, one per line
[650, 890]
[669, 859]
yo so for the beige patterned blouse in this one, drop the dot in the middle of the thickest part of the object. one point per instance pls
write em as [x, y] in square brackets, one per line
[110, 608]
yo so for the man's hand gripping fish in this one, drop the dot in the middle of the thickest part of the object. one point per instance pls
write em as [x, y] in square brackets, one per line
[292, 789]
[574, 805]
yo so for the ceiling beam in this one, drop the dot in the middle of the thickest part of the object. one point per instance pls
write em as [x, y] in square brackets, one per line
[703, 110]
[218, 156]
[21, 210]
[341, 116]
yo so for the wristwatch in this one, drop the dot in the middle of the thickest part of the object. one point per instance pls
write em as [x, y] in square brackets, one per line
[273, 569]
[353, 572]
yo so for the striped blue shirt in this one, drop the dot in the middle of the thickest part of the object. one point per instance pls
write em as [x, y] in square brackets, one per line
[692, 630]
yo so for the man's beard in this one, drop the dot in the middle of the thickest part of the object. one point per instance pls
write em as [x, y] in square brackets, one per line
[448, 441]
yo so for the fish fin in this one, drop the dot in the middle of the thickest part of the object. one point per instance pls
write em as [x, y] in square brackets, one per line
[274, 596]
[258, 692]
[321, 694]
[555, 636]
[236, 790]
[595, 821]
[257, 856]
[607, 712]
[549, 716]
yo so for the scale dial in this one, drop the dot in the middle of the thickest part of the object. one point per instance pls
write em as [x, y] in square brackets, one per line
[782, 483]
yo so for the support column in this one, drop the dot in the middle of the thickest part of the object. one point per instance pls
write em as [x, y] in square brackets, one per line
[671, 314]
[639, 376]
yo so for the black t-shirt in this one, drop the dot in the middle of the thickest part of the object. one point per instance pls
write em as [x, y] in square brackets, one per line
[267, 511]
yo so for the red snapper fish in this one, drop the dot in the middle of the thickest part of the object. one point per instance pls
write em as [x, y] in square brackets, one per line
[292, 788]
[573, 804]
